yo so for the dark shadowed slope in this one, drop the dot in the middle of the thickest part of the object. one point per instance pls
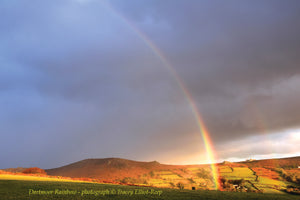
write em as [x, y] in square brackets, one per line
[284, 163]
[109, 169]
[114, 169]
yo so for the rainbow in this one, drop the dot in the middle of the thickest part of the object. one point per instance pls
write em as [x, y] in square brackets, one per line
[200, 123]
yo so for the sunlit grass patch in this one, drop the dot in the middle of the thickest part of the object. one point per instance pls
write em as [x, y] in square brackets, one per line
[225, 169]
[16, 190]
[270, 182]
[193, 169]
[167, 175]
[159, 183]
[170, 176]
[167, 172]
[239, 173]
[34, 178]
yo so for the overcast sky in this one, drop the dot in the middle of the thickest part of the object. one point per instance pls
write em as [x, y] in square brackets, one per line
[78, 79]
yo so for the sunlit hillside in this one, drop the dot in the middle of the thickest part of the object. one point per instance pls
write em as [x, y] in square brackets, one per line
[261, 176]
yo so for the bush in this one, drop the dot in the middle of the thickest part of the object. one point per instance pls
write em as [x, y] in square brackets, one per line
[204, 174]
[34, 170]
[151, 174]
[172, 184]
[191, 180]
[180, 185]
[129, 180]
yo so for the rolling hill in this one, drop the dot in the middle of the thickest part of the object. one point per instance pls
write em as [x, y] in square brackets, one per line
[119, 170]
[285, 163]
[110, 169]
[270, 175]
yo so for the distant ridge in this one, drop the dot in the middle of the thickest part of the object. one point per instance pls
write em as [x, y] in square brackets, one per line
[113, 169]
[290, 162]
[107, 168]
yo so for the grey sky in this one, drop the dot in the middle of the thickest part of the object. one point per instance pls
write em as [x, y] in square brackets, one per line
[77, 81]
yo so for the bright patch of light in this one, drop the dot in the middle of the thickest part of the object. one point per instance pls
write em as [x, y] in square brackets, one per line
[294, 135]
[264, 146]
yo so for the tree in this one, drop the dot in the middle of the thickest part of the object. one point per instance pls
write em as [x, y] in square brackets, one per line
[34, 170]
[151, 174]
[180, 185]
[172, 184]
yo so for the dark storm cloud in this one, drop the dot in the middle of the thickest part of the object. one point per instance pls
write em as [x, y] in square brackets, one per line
[230, 54]
[77, 81]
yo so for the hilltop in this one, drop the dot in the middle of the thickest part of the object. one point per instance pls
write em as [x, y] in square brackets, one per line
[108, 169]
[269, 175]
[285, 163]
[256, 175]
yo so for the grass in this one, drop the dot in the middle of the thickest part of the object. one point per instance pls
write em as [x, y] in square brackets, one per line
[268, 181]
[19, 189]
[189, 177]
[270, 185]
[264, 184]
[168, 175]
[18, 186]
[225, 169]
[239, 173]
[34, 178]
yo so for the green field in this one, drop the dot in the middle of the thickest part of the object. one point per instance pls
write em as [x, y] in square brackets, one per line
[256, 183]
[199, 178]
[238, 173]
[35, 178]
[19, 189]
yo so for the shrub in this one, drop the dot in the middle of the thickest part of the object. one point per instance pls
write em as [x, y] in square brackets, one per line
[129, 180]
[151, 174]
[172, 184]
[204, 174]
[191, 180]
[34, 170]
[180, 185]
